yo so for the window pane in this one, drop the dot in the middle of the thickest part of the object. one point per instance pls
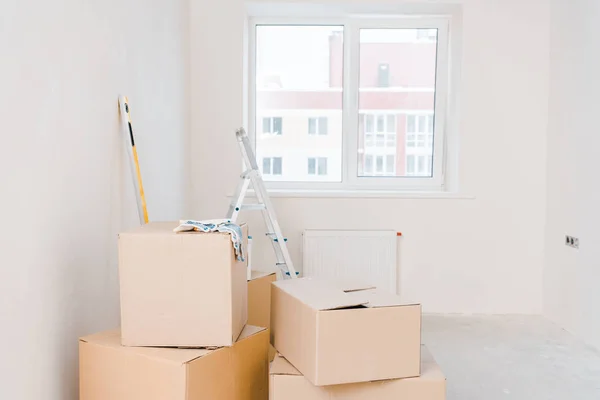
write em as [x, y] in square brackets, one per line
[369, 164]
[298, 79]
[411, 125]
[266, 165]
[430, 124]
[379, 168]
[277, 165]
[266, 125]
[369, 123]
[277, 128]
[391, 123]
[322, 166]
[369, 140]
[422, 123]
[323, 126]
[380, 123]
[311, 166]
[312, 126]
[390, 164]
[410, 165]
[421, 165]
[408, 57]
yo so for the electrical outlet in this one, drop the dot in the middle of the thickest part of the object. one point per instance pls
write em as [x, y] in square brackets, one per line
[572, 241]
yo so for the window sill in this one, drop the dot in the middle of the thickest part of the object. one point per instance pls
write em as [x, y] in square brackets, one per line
[371, 194]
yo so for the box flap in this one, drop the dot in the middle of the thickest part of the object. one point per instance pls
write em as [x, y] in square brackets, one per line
[112, 339]
[250, 330]
[378, 298]
[320, 294]
[260, 274]
[281, 366]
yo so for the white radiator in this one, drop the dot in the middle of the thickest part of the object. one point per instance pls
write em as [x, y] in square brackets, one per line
[364, 256]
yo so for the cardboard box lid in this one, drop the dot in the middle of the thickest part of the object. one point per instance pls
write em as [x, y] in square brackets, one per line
[322, 295]
[112, 339]
[260, 274]
[430, 370]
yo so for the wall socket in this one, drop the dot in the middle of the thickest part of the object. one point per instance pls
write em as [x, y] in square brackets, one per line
[572, 241]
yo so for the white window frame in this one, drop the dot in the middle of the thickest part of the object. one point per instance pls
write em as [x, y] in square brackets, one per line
[351, 65]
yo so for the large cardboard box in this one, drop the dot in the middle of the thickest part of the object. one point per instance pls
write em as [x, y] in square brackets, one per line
[180, 289]
[337, 334]
[259, 298]
[109, 371]
[287, 383]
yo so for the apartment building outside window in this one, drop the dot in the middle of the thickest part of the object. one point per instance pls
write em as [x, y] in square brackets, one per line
[369, 96]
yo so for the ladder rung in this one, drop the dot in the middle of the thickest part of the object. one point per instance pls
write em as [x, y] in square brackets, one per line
[253, 207]
[273, 236]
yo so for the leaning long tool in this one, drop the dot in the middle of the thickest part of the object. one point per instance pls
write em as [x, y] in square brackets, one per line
[133, 158]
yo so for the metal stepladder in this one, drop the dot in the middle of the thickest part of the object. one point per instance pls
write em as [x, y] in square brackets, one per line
[252, 175]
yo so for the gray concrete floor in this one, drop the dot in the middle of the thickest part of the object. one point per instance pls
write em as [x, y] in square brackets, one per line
[511, 358]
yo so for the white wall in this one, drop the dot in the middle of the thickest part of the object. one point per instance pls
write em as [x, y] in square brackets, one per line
[66, 189]
[481, 255]
[571, 277]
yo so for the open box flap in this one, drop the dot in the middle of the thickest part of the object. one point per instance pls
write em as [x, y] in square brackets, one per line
[378, 298]
[321, 295]
[281, 366]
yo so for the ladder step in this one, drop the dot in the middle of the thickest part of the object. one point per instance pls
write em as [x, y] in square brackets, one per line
[272, 235]
[253, 207]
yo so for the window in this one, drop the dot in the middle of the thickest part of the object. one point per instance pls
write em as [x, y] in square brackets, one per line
[272, 125]
[379, 130]
[379, 165]
[317, 126]
[375, 89]
[383, 76]
[317, 166]
[272, 166]
[419, 145]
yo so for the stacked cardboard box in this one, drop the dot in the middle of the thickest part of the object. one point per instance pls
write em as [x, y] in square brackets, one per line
[183, 336]
[348, 341]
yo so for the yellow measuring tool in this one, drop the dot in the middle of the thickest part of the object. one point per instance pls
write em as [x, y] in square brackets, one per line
[134, 161]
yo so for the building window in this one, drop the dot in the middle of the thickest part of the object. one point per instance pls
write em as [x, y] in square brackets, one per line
[272, 125]
[317, 166]
[380, 130]
[383, 75]
[379, 165]
[272, 166]
[383, 130]
[419, 145]
[317, 126]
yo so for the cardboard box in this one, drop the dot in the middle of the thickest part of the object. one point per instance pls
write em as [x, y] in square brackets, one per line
[337, 334]
[109, 371]
[259, 298]
[180, 289]
[286, 383]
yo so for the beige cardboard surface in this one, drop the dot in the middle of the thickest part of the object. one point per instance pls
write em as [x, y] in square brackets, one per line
[180, 289]
[259, 298]
[108, 370]
[336, 337]
[287, 383]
